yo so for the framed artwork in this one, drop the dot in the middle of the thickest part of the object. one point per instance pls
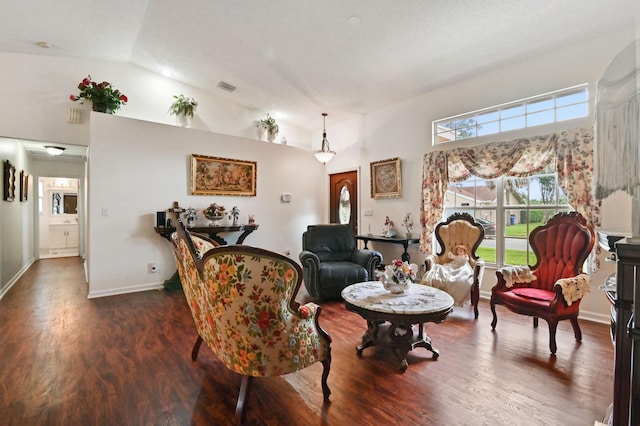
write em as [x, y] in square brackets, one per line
[9, 181]
[386, 179]
[222, 176]
[24, 185]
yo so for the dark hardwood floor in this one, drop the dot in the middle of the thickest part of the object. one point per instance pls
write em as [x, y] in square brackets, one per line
[125, 360]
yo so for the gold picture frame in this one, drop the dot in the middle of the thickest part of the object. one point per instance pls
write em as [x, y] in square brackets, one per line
[386, 179]
[222, 176]
[9, 181]
[24, 185]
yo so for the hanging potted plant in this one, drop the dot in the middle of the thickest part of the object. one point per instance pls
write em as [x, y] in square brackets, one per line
[183, 108]
[103, 96]
[271, 126]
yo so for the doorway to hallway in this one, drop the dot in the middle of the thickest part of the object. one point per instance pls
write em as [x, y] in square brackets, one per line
[58, 225]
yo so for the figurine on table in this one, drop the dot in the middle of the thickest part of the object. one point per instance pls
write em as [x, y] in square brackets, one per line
[191, 215]
[388, 230]
[234, 214]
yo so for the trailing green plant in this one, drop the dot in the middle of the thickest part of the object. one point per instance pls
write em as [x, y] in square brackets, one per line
[100, 93]
[183, 106]
[270, 124]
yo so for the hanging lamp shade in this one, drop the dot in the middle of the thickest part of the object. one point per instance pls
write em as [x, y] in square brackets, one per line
[325, 154]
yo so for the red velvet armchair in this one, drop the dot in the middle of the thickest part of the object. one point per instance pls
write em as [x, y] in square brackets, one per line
[553, 287]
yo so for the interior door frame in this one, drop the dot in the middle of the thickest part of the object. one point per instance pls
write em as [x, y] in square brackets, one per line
[355, 212]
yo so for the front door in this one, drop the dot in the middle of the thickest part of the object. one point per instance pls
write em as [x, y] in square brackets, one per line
[343, 203]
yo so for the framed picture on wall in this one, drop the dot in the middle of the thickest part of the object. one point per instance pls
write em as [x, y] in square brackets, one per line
[386, 179]
[24, 185]
[9, 181]
[222, 176]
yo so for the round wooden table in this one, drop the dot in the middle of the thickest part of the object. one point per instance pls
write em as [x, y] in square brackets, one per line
[390, 317]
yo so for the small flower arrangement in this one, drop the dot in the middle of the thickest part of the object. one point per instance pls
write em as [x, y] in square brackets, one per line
[103, 94]
[214, 210]
[408, 223]
[270, 124]
[183, 106]
[400, 271]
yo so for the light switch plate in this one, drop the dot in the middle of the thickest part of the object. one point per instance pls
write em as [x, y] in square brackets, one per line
[286, 197]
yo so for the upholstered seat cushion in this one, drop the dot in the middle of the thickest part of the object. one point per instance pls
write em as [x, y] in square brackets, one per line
[512, 299]
[535, 293]
[336, 275]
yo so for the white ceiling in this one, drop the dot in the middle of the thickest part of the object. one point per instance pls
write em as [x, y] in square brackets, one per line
[296, 58]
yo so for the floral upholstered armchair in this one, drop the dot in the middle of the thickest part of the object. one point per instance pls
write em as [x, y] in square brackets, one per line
[243, 304]
[553, 287]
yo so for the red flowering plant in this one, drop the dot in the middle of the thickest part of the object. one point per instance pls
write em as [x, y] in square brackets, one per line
[104, 96]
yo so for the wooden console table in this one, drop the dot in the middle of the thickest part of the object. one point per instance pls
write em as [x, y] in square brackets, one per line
[394, 240]
[212, 232]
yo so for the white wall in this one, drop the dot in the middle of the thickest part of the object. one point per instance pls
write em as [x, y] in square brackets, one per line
[42, 85]
[36, 91]
[17, 229]
[137, 168]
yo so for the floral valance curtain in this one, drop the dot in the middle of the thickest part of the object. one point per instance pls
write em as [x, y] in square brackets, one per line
[571, 150]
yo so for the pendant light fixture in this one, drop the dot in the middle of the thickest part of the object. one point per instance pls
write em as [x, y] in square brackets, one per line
[325, 154]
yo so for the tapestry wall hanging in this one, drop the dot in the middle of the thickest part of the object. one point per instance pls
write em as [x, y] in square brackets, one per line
[222, 176]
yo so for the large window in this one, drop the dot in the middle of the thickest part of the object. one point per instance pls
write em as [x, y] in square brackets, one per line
[508, 208]
[548, 108]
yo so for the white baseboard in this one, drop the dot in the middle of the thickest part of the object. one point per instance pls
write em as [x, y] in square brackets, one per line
[16, 277]
[124, 290]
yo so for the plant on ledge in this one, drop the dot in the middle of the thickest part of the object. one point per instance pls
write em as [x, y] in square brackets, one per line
[183, 106]
[270, 124]
[103, 96]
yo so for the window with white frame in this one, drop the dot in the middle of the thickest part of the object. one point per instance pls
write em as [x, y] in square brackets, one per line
[508, 208]
[561, 105]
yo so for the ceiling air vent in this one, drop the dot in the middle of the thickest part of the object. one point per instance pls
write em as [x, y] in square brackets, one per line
[226, 86]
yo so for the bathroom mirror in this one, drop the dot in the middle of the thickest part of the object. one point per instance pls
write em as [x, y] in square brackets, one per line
[64, 203]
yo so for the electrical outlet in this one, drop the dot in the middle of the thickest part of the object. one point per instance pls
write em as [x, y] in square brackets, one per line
[153, 268]
[367, 212]
[287, 252]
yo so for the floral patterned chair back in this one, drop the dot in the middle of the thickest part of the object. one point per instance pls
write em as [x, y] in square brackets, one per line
[243, 303]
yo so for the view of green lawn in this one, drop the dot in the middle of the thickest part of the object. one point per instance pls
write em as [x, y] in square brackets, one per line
[520, 230]
[514, 257]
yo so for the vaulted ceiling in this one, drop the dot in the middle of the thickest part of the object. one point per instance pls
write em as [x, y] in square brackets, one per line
[300, 58]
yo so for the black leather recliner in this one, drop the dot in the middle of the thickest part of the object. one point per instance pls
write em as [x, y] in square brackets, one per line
[331, 260]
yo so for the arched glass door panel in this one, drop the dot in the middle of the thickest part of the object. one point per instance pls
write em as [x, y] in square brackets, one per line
[344, 207]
